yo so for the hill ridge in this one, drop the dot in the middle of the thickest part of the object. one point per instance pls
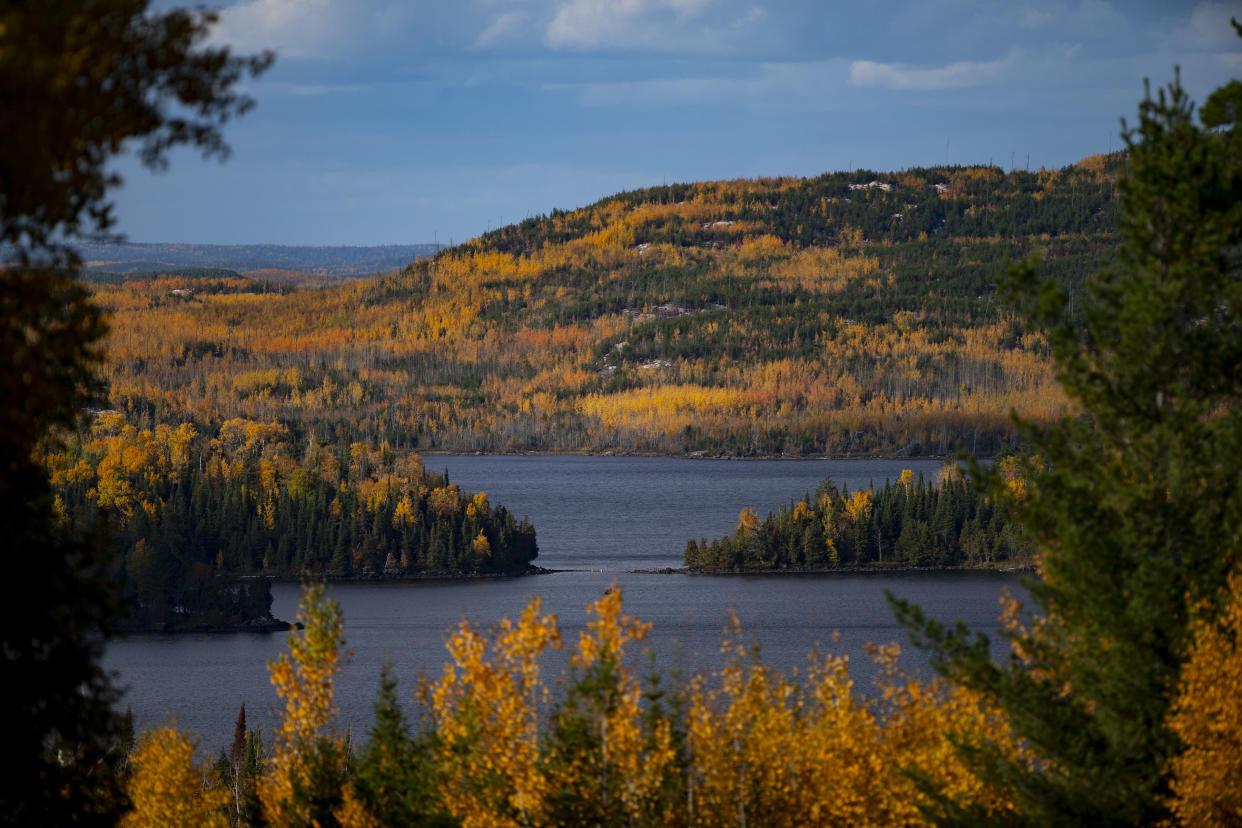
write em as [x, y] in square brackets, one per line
[843, 314]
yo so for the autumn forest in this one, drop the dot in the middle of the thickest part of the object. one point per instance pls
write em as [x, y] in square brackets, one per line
[847, 314]
[1066, 342]
[252, 427]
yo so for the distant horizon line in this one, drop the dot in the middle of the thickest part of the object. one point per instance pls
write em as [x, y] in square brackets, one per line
[122, 242]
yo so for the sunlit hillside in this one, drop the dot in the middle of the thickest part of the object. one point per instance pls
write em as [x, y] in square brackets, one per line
[847, 314]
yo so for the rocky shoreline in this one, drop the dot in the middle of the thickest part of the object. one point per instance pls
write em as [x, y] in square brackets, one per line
[255, 625]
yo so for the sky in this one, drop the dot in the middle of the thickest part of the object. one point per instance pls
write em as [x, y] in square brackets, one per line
[408, 121]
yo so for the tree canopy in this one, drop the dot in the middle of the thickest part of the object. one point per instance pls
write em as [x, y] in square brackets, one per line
[1134, 500]
[78, 82]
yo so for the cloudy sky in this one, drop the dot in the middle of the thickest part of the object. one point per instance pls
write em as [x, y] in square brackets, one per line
[404, 121]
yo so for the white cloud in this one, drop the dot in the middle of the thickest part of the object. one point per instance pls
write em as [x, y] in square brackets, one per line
[1032, 18]
[651, 25]
[1087, 18]
[297, 28]
[806, 84]
[957, 75]
[506, 26]
[1232, 62]
[313, 28]
[1209, 29]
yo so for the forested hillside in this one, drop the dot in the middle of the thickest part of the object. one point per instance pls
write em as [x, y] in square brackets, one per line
[848, 314]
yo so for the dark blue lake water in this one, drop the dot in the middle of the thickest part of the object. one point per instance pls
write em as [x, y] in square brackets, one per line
[602, 517]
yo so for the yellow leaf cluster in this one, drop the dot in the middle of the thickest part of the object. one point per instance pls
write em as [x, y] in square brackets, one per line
[486, 710]
[859, 505]
[304, 681]
[747, 522]
[625, 751]
[765, 750]
[1207, 716]
[760, 747]
[167, 790]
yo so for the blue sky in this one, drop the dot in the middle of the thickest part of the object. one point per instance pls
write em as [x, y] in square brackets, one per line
[398, 122]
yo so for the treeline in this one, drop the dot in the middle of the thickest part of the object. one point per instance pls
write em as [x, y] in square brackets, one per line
[765, 316]
[191, 512]
[885, 207]
[912, 522]
[111, 277]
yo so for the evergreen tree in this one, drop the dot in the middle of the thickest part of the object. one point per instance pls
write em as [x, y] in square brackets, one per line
[1135, 504]
[393, 774]
[238, 771]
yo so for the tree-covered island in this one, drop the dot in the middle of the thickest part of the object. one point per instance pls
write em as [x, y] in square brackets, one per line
[909, 523]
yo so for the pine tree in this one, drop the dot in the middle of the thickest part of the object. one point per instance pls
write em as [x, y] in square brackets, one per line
[393, 773]
[1135, 504]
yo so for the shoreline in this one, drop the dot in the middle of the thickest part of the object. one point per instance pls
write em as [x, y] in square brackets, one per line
[262, 626]
[395, 578]
[896, 569]
[275, 625]
[692, 455]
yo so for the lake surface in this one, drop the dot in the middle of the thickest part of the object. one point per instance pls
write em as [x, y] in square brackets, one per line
[603, 518]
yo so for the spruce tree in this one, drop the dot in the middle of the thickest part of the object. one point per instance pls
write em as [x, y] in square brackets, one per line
[393, 774]
[1135, 501]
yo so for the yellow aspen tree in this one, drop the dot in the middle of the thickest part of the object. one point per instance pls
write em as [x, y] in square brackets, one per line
[842, 774]
[352, 813]
[738, 742]
[859, 505]
[480, 546]
[828, 525]
[747, 522]
[923, 722]
[305, 745]
[607, 767]
[1207, 717]
[404, 516]
[486, 712]
[766, 750]
[166, 788]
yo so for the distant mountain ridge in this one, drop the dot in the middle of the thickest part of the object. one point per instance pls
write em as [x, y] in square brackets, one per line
[343, 262]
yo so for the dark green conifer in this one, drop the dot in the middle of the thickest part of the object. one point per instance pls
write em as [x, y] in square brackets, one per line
[1135, 504]
[393, 774]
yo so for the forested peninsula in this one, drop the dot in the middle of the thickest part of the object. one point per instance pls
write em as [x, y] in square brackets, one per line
[192, 511]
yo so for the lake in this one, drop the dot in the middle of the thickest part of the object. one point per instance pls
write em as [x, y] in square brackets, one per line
[601, 519]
